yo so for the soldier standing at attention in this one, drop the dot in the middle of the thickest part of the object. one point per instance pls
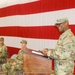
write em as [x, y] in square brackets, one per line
[3, 51]
[64, 53]
[18, 62]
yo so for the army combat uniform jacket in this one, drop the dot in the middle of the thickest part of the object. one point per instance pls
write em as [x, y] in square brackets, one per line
[3, 54]
[64, 54]
[19, 59]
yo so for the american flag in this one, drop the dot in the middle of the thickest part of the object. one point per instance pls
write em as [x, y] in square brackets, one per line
[33, 20]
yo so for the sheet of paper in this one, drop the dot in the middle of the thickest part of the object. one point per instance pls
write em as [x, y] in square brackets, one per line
[37, 53]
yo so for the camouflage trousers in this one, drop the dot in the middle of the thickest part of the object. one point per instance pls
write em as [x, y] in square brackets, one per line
[11, 69]
[64, 67]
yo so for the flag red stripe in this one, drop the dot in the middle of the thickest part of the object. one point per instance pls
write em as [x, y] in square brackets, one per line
[37, 7]
[12, 50]
[40, 32]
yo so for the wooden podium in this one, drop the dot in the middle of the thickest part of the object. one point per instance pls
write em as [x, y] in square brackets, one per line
[35, 64]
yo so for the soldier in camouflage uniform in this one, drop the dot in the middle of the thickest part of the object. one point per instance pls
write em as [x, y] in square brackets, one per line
[64, 53]
[3, 51]
[17, 64]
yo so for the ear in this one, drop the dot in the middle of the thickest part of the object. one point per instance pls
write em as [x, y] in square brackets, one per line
[3, 40]
[66, 23]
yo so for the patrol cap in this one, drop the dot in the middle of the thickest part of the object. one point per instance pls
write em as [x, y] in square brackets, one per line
[24, 41]
[62, 20]
[1, 38]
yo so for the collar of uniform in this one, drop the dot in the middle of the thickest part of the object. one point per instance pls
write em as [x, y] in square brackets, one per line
[24, 48]
[66, 32]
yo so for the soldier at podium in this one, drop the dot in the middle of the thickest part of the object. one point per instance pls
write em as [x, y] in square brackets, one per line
[18, 62]
[64, 53]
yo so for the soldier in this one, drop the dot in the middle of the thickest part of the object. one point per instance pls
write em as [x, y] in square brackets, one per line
[18, 62]
[3, 51]
[64, 53]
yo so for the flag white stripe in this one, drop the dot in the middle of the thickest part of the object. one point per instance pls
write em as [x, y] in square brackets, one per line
[36, 44]
[5, 3]
[40, 19]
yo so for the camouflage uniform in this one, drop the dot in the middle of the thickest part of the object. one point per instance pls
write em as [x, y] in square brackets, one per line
[3, 54]
[64, 54]
[8, 66]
